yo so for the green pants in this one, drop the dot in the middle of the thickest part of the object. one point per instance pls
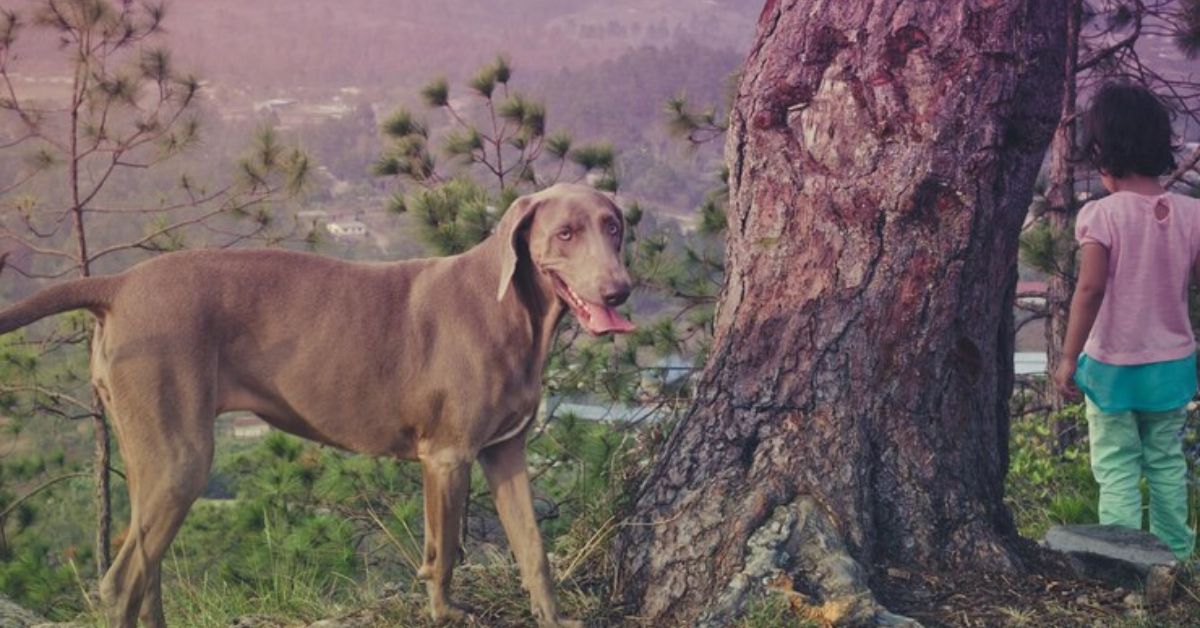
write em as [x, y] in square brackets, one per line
[1126, 446]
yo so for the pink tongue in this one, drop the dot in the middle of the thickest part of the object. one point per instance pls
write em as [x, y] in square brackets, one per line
[606, 319]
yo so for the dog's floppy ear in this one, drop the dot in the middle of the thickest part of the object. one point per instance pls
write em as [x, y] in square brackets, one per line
[509, 232]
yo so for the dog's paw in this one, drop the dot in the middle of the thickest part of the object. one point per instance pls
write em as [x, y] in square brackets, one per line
[562, 622]
[450, 614]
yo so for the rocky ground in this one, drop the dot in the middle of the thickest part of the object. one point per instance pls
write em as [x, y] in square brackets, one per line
[15, 616]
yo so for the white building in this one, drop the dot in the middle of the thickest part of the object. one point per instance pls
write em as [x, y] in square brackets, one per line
[249, 427]
[347, 230]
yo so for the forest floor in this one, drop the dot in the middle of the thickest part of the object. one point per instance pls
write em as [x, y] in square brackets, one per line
[1049, 595]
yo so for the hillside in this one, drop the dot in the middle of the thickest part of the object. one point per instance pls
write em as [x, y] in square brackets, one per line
[375, 43]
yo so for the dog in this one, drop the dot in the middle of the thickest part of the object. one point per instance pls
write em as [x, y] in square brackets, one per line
[438, 360]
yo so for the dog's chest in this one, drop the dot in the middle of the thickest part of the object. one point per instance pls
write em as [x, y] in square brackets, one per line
[515, 418]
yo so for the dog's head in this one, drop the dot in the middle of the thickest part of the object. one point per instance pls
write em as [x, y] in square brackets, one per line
[573, 235]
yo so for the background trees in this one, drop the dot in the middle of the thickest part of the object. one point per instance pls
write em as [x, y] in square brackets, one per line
[498, 145]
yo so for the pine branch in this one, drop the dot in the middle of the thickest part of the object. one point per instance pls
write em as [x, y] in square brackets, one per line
[54, 395]
[1191, 164]
[142, 242]
[25, 243]
[38, 489]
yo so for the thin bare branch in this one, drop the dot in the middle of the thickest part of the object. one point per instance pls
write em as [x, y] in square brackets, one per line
[38, 489]
[1189, 165]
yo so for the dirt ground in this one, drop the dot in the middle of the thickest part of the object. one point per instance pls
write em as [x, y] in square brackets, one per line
[1050, 595]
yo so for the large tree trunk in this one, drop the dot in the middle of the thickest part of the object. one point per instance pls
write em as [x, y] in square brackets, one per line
[882, 156]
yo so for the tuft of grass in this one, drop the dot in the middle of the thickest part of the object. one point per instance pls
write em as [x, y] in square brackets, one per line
[1018, 617]
[772, 610]
[1045, 487]
[295, 587]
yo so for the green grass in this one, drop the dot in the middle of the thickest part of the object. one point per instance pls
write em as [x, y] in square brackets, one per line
[1044, 487]
[316, 533]
[295, 586]
[772, 610]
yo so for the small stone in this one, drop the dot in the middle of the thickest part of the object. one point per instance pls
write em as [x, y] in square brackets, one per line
[1134, 600]
[360, 619]
[256, 621]
[1160, 585]
[392, 589]
[1082, 600]
[892, 620]
[898, 574]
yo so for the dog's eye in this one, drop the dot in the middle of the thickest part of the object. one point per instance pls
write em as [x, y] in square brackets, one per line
[612, 228]
[565, 233]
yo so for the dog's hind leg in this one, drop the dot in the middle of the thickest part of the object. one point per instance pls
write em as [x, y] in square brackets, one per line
[163, 414]
[508, 476]
[447, 478]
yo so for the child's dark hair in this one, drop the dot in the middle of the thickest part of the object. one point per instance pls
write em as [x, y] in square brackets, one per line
[1127, 130]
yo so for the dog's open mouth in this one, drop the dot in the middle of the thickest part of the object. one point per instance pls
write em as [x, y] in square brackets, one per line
[595, 317]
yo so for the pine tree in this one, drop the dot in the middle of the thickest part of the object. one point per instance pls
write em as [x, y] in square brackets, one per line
[129, 111]
[456, 180]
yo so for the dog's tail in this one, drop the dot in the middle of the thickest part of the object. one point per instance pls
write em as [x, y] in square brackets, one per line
[93, 293]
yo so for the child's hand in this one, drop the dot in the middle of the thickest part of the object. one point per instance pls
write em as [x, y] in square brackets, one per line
[1064, 380]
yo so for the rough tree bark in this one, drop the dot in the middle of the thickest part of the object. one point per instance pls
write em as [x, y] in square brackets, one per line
[1060, 210]
[854, 410]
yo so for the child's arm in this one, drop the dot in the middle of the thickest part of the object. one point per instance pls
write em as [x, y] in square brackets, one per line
[1085, 304]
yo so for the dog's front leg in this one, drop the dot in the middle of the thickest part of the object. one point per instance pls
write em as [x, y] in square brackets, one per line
[447, 478]
[504, 466]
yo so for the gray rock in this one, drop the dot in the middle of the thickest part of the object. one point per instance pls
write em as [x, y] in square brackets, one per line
[15, 616]
[892, 620]
[1134, 600]
[1118, 543]
[1119, 556]
[354, 621]
[256, 621]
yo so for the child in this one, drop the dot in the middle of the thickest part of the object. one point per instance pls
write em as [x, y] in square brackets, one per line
[1137, 368]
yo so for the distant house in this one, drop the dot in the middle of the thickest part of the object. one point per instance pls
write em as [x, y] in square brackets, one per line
[273, 104]
[347, 230]
[249, 427]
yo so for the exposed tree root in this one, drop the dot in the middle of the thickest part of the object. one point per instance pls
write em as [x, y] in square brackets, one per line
[799, 552]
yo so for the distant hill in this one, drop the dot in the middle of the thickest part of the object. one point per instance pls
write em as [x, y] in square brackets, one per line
[266, 45]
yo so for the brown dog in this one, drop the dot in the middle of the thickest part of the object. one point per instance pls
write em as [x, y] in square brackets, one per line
[421, 359]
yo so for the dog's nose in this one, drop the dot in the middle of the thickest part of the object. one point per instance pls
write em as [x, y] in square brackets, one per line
[616, 295]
